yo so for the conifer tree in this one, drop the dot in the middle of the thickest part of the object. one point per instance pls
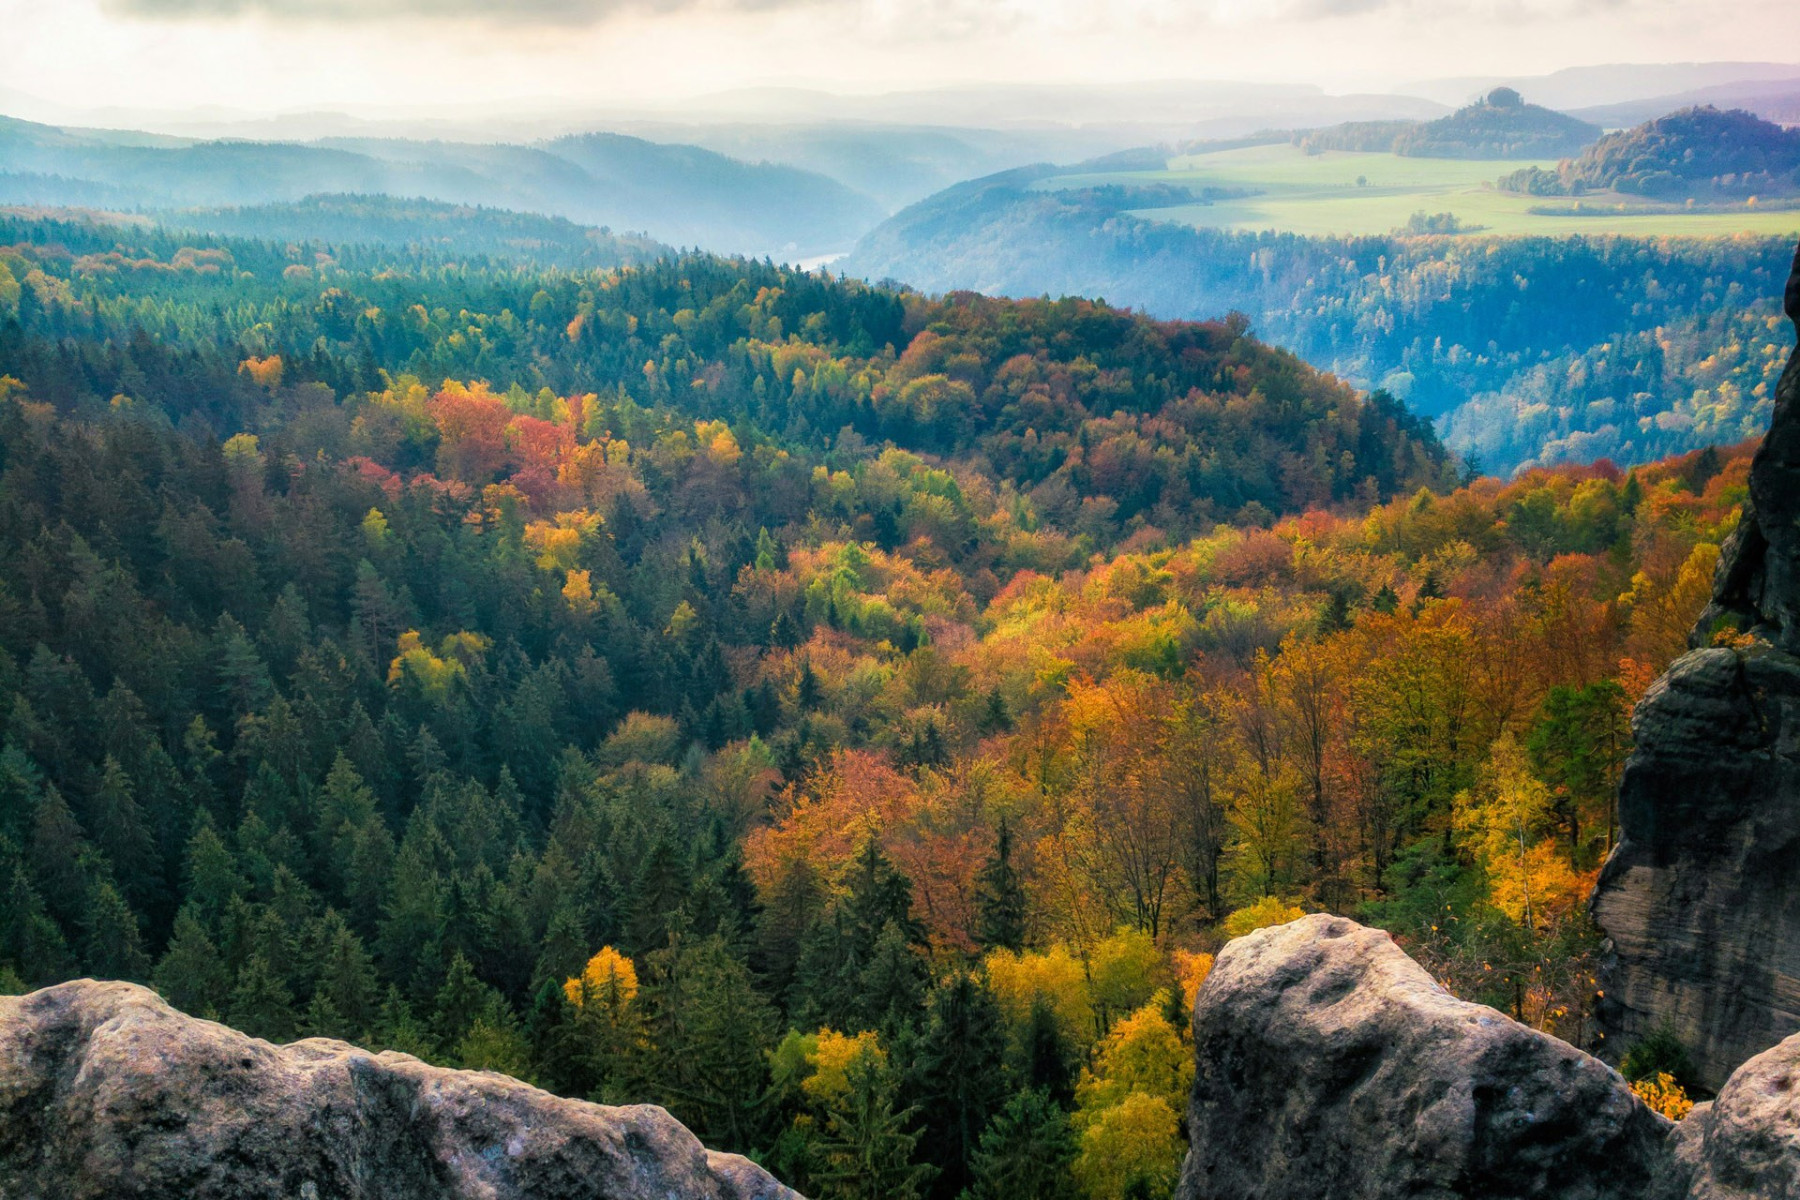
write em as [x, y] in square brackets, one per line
[1000, 904]
[191, 974]
[114, 945]
[31, 944]
[261, 1004]
[958, 1076]
[867, 1150]
[1026, 1150]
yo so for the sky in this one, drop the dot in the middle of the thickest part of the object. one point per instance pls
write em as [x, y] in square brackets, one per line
[463, 57]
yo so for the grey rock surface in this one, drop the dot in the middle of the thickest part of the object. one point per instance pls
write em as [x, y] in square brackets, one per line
[1329, 1064]
[106, 1091]
[1746, 1145]
[1700, 899]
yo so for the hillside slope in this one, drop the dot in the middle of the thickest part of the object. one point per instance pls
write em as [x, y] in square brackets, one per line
[1527, 350]
[680, 195]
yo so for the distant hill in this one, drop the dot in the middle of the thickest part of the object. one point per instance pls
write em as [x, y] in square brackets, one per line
[1575, 88]
[1529, 349]
[1500, 125]
[677, 194]
[1700, 153]
[425, 225]
[1776, 100]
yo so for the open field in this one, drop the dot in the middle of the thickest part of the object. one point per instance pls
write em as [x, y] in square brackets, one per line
[1347, 193]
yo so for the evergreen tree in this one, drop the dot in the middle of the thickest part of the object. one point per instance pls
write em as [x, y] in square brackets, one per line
[710, 1030]
[867, 1150]
[1044, 1055]
[114, 945]
[261, 1004]
[191, 974]
[1026, 1150]
[1000, 903]
[31, 944]
[958, 1076]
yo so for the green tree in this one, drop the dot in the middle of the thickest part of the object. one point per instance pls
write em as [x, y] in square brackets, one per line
[866, 1152]
[114, 945]
[958, 1076]
[261, 1004]
[191, 974]
[1028, 1149]
[1000, 902]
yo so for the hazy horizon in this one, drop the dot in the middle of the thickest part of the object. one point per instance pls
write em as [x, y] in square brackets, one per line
[419, 59]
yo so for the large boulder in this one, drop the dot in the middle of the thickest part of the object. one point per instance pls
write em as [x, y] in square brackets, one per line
[1746, 1144]
[106, 1091]
[1329, 1064]
[1700, 899]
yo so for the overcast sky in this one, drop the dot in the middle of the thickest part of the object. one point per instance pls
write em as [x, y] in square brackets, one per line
[371, 56]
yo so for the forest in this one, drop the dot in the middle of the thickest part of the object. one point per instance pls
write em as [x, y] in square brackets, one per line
[1499, 125]
[1527, 350]
[848, 718]
[1699, 153]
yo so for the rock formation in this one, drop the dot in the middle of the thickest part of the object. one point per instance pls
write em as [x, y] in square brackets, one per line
[106, 1091]
[1700, 900]
[1746, 1144]
[1329, 1064]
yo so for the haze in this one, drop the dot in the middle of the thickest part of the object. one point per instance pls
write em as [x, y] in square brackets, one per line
[138, 60]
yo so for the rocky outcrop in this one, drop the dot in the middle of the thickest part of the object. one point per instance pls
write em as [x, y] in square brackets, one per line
[106, 1091]
[1329, 1064]
[1700, 900]
[1746, 1144]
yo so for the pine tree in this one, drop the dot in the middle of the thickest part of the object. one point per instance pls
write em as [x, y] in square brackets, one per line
[710, 1030]
[211, 874]
[867, 1150]
[462, 1001]
[958, 1076]
[346, 978]
[120, 833]
[1026, 1150]
[114, 946]
[1000, 904]
[191, 974]
[261, 1004]
[31, 944]
[1045, 1057]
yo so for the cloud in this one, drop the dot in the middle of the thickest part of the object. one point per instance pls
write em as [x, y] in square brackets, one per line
[486, 12]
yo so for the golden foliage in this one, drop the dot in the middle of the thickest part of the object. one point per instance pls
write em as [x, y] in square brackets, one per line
[609, 979]
[1662, 1094]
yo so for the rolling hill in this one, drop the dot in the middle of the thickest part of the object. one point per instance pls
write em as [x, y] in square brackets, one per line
[676, 194]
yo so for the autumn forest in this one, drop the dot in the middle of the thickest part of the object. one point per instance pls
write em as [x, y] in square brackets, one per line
[849, 718]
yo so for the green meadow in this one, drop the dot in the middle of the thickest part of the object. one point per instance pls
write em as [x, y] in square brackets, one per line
[1348, 193]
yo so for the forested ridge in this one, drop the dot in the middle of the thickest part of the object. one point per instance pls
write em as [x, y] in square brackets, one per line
[847, 718]
[1529, 350]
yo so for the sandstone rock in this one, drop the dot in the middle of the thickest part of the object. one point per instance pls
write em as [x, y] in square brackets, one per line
[106, 1091]
[1700, 900]
[1329, 1064]
[1746, 1145]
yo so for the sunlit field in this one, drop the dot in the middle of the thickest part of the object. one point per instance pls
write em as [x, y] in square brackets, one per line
[1350, 193]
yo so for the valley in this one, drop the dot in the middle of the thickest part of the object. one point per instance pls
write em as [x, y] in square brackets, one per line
[1283, 189]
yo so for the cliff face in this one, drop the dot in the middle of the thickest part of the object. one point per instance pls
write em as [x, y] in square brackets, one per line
[106, 1091]
[1700, 900]
[1331, 1065]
